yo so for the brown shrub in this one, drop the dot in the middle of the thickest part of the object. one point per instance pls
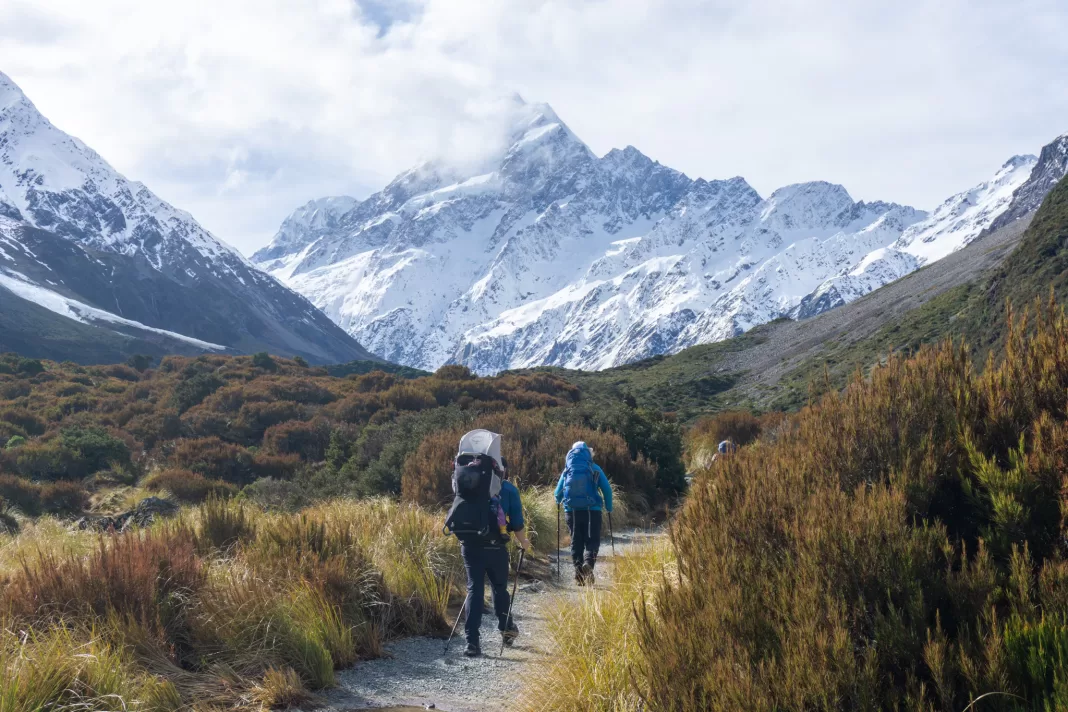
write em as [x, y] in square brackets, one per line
[21, 494]
[121, 372]
[279, 467]
[214, 459]
[535, 450]
[373, 382]
[203, 423]
[739, 426]
[409, 396]
[26, 421]
[454, 372]
[228, 399]
[300, 390]
[255, 418]
[883, 551]
[154, 428]
[187, 486]
[64, 498]
[308, 440]
[356, 408]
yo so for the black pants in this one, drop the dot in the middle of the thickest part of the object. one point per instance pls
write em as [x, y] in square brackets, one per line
[585, 528]
[480, 562]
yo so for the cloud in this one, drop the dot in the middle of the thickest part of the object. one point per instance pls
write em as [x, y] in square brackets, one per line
[239, 111]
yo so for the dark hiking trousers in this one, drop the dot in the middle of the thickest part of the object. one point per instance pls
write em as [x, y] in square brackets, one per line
[480, 562]
[585, 528]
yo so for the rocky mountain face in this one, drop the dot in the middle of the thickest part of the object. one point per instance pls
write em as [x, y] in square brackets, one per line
[550, 255]
[1052, 165]
[83, 242]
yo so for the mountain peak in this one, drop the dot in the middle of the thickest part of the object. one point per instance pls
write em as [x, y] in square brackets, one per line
[811, 204]
[10, 93]
[1019, 160]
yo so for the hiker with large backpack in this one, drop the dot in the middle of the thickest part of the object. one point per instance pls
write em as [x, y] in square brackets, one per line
[486, 509]
[583, 489]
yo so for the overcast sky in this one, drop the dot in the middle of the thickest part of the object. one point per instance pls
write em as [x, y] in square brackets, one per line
[241, 110]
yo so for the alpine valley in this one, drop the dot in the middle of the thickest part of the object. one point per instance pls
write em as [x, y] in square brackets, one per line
[547, 254]
[95, 267]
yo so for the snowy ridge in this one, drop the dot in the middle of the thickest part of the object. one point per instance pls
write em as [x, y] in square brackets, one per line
[73, 309]
[549, 255]
[56, 181]
[110, 246]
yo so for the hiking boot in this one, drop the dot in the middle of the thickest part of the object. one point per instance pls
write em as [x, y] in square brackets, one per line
[509, 636]
[472, 650]
[587, 573]
[580, 576]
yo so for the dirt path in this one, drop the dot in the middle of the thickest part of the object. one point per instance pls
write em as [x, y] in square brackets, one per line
[419, 674]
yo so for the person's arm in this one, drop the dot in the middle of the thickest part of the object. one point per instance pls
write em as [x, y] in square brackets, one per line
[559, 493]
[606, 489]
[514, 508]
[514, 512]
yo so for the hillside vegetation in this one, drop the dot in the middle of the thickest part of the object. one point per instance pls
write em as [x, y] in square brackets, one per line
[287, 435]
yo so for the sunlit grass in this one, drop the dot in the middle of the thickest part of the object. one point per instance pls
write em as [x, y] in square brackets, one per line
[593, 647]
[224, 605]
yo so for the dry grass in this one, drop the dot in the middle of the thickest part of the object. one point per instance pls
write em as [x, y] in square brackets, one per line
[225, 606]
[595, 639]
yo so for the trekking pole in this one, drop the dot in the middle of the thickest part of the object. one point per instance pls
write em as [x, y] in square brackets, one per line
[454, 625]
[558, 554]
[515, 586]
[611, 535]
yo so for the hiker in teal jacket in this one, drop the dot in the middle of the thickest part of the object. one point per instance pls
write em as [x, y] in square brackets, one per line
[584, 490]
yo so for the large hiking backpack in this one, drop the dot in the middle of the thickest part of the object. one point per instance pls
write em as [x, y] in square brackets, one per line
[476, 516]
[580, 481]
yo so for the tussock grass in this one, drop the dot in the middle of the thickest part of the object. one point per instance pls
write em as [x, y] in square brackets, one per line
[595, 639]
[225, 606]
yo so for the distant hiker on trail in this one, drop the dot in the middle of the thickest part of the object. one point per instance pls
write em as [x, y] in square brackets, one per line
[580, 489]
[727, 447]
[486, 508]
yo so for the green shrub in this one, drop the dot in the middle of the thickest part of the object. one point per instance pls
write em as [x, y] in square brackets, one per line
[96, 446]
[140, 362]
[193, 390]
[263, 360]
[50, 461]
[270, 493]
[29, 366]
[14, 442]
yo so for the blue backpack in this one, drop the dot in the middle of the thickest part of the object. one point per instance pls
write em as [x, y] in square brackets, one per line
[580, 481]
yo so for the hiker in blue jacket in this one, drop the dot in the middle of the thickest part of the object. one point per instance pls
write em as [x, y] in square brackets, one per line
[584, 490]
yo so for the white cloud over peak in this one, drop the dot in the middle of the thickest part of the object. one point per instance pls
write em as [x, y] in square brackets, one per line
[240, 110]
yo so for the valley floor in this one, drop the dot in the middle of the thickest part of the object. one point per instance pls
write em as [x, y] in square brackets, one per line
[419, 674]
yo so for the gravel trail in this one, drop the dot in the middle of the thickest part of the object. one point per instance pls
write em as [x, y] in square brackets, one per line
[418, 674]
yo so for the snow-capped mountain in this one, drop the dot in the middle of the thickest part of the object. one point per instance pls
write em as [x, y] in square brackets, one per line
[82, 241]
[550, 255]
[952, 225]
